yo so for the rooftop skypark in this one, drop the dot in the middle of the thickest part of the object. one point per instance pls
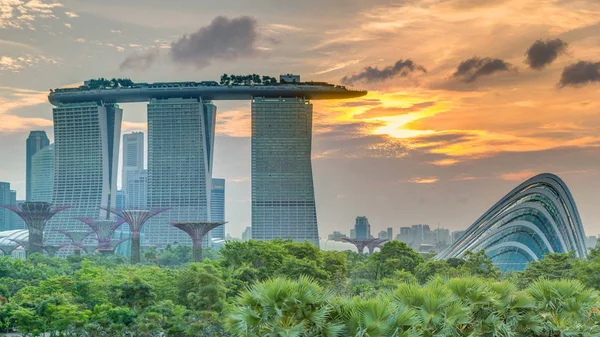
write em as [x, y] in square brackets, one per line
[230, 87]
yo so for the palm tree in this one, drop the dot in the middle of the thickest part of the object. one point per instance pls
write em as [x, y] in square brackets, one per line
[439, 312]
[283, 307]
[376, 317]
[566, 308]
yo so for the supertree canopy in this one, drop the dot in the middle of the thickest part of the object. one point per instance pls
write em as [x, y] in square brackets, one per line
[360, 243]
[35, 215]
[104, 230]
[197, 231]
[136, 218]
[375, 243]
[8, 249]
[77, 238]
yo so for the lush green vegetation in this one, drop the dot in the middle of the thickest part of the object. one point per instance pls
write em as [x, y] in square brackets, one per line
[289, 289]
[246, 79]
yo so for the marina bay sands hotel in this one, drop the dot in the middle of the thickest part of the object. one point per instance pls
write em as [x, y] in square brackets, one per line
[181, 133]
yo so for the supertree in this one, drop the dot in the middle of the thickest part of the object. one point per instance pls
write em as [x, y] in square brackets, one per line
[136, 218]
[197, 231]
[51, 250]
[76, 238]
[25, 243]
[359, 243]
[8, 249]
[374, 244]
[36, 215]
[108, 247]
[104, 230]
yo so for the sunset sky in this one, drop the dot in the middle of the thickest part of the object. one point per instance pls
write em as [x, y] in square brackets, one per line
[467, 99]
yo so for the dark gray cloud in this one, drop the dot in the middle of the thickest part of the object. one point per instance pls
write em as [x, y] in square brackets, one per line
[580, 73]
[470, 70]
[223, 39]
[401, 68]
[139, 61]
[541, 53]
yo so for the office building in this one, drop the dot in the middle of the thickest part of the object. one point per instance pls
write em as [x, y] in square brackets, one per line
[180, 152]
[336, 236]
[217, 207]
[16, 222]
[422, 238]
[536, 218]
[5, 199]
[86, 147]
[36, 141]
[137, 190]
[133, 157]
[42, 174]
[352, 233]
[456, 235]
[390, 233]
[247, 234]
[382, 235]
[591, 242]
[283, 199]
[121, 200]
[362, 227]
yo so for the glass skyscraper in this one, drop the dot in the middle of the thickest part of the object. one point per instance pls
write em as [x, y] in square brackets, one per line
[283, 199]
[42, 174]
[86, 147]
[217, 207]
[362, 227]
[180, 147]
[5, 199]
[133, 158]
[137, 190]
[36, 141]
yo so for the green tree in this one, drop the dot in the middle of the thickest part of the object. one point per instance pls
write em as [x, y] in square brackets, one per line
[396, 255]
[479, 264]
[552, 266]
[283, 307]
[201, 287]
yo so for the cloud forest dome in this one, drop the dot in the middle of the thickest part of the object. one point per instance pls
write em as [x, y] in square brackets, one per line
[537, 217]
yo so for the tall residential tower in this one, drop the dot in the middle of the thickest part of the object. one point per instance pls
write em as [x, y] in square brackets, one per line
[36, 141]
[283, 198]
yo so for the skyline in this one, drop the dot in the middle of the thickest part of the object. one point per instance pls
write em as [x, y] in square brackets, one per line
[439, 146]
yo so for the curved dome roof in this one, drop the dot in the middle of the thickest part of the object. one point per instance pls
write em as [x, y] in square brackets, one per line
[537, 217]
[6, 237]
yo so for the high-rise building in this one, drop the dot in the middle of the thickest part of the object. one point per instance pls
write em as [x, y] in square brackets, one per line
[217, 207]
[390, 233]
[36, 141]
[121, 200]
[133, 157]
[16, 222]
[180, 148]
[283, 199]
[352, 233]
[5, 199]
[86, 146]
[336, 236]
[382, 235]
[42, 174]
[137, 190]
[362, 227]
[247, 234]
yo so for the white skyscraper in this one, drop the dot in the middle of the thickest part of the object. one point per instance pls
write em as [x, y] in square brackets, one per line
[217, 207]
[133, 157]
[180, 147]
[283, 200]
[86, 148]
[137, 190]
[42, 174]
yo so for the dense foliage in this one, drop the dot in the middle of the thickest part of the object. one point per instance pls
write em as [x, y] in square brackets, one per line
[282, 288]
